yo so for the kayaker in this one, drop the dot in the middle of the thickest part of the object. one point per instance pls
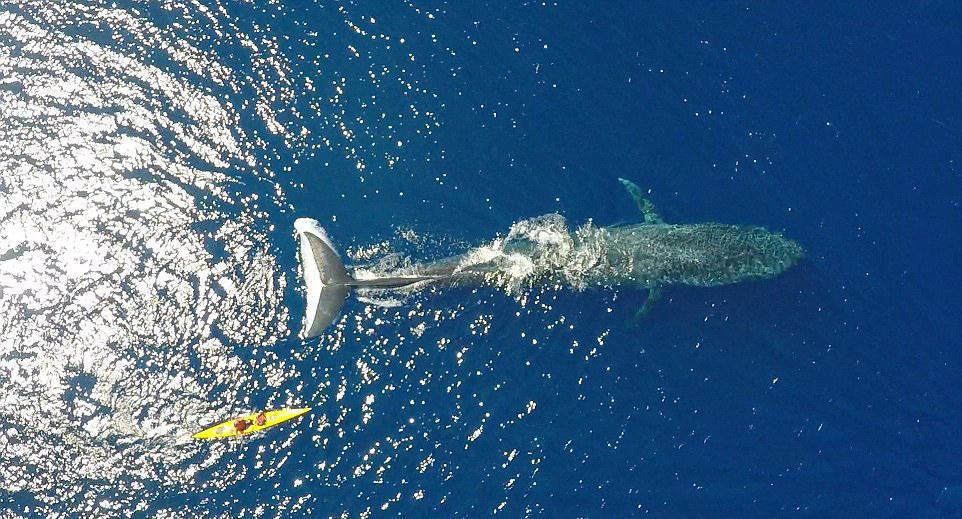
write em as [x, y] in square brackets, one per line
[240, 425]
[261, 419]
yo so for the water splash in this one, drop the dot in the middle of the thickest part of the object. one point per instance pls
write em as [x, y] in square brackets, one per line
[536, 250]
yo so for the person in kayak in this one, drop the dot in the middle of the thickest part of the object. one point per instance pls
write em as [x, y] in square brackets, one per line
[261, 419]
[240, 425]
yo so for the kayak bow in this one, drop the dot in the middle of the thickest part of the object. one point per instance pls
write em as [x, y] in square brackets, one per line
[226, 429]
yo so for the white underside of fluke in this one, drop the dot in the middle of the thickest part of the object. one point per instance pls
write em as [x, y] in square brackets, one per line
[313, 282]
[312, 276]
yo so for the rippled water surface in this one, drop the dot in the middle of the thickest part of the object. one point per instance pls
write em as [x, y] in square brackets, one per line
[154, 155]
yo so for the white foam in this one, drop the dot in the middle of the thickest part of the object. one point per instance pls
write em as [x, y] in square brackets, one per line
[312, 226]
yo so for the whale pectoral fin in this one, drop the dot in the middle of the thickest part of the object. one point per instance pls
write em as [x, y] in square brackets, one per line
[644, 205]
[654, 294]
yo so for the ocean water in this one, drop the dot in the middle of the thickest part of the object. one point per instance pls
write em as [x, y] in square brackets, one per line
[154, 156]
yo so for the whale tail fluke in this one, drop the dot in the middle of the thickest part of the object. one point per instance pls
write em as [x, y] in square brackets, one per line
[326, 280]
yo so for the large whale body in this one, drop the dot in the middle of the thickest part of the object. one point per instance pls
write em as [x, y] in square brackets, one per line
[651, 255]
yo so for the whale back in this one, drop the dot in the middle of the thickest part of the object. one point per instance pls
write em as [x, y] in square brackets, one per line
[704, 254]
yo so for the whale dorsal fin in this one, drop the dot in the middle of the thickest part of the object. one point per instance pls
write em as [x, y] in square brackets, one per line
[644, 205]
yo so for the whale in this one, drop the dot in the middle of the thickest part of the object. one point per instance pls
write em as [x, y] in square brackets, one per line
[650, 254]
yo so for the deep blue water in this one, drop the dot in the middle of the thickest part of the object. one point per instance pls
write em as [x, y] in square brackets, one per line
[830, 390]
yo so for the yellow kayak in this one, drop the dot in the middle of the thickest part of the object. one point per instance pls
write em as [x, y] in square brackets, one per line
[227, 430]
